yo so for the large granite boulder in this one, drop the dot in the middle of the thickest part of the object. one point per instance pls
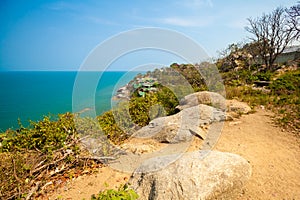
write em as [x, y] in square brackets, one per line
[233, 107]
[182, 126]
[205, 97]
[193, 176]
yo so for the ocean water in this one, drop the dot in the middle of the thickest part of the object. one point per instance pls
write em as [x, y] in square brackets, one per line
[31, 95]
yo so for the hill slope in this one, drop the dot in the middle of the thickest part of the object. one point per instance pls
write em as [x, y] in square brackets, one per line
[273, 153]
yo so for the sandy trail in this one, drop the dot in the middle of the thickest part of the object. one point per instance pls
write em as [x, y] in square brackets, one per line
[273, 154]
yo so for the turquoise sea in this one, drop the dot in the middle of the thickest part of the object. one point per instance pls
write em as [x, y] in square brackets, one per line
[28, 95]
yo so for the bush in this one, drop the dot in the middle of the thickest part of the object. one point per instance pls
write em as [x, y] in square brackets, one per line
[33, 156]
[287, 84]
[153, 105]
[192, 75]
[123, 193]
[284, 98]
[245, 76]
[247, 94]
[45, 135]
[139, 108]
[117, 124]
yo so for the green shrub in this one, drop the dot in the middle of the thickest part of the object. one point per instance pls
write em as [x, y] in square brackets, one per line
[168, 100]
[139, 108]
[40, 153]
[192, 75]
[154, 104]
[116, 124]
[288, 83]
[284, 98]
[123, 193]
[45, 135]
[245, 76]
[264, 76]
[249, 95]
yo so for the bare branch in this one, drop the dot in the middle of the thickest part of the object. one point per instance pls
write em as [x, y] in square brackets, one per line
[273, 33]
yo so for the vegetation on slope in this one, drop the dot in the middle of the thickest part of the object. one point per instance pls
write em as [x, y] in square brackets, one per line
[50, 151]
[41, 156]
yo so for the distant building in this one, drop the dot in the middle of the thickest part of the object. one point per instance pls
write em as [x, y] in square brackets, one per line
[291, 53]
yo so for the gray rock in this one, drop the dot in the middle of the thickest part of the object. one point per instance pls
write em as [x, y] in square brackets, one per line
[193, 176]
[233, 107]
[182, 126]
[237, 107]
[208, 98]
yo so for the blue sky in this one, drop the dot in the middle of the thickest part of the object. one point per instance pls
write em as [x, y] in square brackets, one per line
[59, 35]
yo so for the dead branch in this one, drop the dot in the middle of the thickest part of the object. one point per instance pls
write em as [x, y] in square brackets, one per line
[52, 163]
[15, 174]
[101, 159]
[33, 190]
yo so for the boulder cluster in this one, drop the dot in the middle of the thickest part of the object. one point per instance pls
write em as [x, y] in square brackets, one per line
[171, 172]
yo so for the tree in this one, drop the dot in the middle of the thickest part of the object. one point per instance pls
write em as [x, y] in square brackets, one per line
[272, 33]
[294, 18]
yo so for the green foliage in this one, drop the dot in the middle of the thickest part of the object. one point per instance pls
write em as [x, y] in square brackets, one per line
[139, 108]
[168, 100]
[283, 99]
[44, 135]
[155, 104]
[119, 123]
[123, 193]
[14, 167]
[39, 153]
[249, 95]
[263, 76]
[116, 123]
[246, 76]
[192, 75]
[287, 84]
[286, 90]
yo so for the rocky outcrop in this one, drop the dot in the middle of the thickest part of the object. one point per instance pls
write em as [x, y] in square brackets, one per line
[182, 126]
[233, 107]
[122, 93]
[237, 107]
[208, 98]
[196, 175]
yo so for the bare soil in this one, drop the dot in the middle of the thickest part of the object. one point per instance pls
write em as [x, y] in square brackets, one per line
[273, 153]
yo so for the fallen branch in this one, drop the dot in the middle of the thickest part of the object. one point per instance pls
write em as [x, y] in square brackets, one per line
[52, 163]
[104, 158]
[15, 173]
[33, 190]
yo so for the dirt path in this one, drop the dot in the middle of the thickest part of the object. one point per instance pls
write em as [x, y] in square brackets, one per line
[274, 155]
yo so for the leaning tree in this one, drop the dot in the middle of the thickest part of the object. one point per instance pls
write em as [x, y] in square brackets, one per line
[272, 33]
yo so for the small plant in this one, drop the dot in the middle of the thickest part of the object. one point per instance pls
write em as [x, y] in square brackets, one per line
[123, 193]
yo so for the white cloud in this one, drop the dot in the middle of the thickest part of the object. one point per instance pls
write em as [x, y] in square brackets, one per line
[195, 21]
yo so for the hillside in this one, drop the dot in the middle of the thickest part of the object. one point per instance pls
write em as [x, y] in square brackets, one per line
[273, 153]
[49, 153]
